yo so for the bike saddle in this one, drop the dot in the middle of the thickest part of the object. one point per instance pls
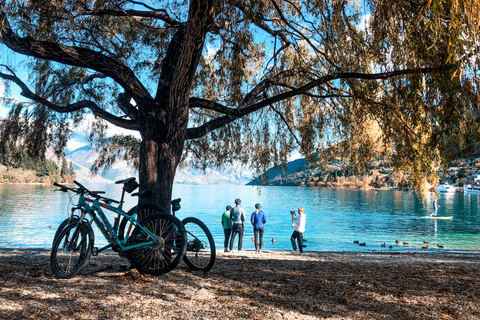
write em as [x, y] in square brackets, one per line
[142, 194]
[125, 181]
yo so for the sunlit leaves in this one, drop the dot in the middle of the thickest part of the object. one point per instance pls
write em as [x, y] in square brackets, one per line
[260, 50]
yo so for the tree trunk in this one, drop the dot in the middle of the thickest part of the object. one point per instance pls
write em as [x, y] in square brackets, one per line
[164, 126]
[158, 164]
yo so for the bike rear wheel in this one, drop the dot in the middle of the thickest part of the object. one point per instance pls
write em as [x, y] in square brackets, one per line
[201, 251]
[168, 249]
[71, 250]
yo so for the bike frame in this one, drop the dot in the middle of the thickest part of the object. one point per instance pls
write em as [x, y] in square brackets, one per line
[101, 221]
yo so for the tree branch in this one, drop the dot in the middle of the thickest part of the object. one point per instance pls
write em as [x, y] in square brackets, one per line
[74, 56]
[85, 104]
[163, 16]
[245, 109]
[211, 105]
[286, 123]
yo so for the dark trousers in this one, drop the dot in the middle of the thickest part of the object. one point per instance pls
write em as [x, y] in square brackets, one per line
[227, 233]
[237, 228]
[258, 232]
[299, 236]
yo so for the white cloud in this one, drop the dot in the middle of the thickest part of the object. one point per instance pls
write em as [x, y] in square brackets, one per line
[75, 143]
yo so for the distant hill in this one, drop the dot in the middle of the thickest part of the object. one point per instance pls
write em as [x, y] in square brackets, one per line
[84, 157]
[289, 177]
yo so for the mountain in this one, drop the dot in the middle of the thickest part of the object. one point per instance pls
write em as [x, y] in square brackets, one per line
[187, 175]
[287, 177]
[83, 174]
[83, 158]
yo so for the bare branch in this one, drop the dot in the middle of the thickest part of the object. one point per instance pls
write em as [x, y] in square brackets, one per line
[163, 16]
[85, 104]
[74, 56]
[246, 108]
[261, 24]
[211, 105]
[300, 33]
[286, 123]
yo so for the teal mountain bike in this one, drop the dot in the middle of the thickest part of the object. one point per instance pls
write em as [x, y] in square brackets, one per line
[155, 245]
[198, 248]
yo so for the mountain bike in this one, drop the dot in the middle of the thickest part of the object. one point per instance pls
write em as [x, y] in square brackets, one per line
[200, 253]
[155, 245]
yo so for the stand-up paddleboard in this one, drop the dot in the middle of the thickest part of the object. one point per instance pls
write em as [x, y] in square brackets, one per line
[438, 218]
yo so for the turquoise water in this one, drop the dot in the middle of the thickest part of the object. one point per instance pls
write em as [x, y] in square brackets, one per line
[335, 217]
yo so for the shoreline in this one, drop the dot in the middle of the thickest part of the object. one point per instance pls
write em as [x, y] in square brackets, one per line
[465, 252]
[274, 284]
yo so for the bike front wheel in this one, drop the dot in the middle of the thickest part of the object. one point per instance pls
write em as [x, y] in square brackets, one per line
[62, 226]
[168, 248]
[72, 249]
[201, 251]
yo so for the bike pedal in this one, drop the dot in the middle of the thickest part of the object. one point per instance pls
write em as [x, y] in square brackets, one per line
[95, 251]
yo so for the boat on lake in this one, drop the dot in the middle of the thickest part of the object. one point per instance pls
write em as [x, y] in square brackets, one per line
[472, 188]
[446, 188]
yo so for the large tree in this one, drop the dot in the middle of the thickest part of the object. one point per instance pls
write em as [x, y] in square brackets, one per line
[249, 81]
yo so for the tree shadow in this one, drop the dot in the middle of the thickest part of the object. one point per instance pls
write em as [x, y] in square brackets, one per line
[313, 285]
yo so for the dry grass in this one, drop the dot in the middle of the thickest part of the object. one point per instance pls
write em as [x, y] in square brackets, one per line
[273, 285]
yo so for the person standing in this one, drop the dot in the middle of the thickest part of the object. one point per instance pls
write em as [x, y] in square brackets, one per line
[227, 226]
[435, 208]
[298, 222]
[237, 215]
[258, 220]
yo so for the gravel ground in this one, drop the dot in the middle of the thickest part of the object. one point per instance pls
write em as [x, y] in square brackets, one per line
[245, 285]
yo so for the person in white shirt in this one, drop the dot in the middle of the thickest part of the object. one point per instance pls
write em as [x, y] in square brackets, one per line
[299, 223]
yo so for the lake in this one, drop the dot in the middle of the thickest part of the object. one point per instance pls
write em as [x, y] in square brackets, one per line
[335, 217]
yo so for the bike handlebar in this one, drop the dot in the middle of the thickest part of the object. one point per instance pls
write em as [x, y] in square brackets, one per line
[64, 188]
[82, 190]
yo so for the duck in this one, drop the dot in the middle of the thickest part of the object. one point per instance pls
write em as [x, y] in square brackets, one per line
[398, 242]
[356, 242]
[363, 244]
[440, 246]
[274, 240]
[383, 245]
[426, 242]
[425, 247]
[406, 243]
[390, 247]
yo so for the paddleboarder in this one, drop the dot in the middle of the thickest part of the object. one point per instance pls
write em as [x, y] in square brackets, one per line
[435, 208]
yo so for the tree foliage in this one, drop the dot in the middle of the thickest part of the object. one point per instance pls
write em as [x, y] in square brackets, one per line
[12, 156]
[252, 81]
